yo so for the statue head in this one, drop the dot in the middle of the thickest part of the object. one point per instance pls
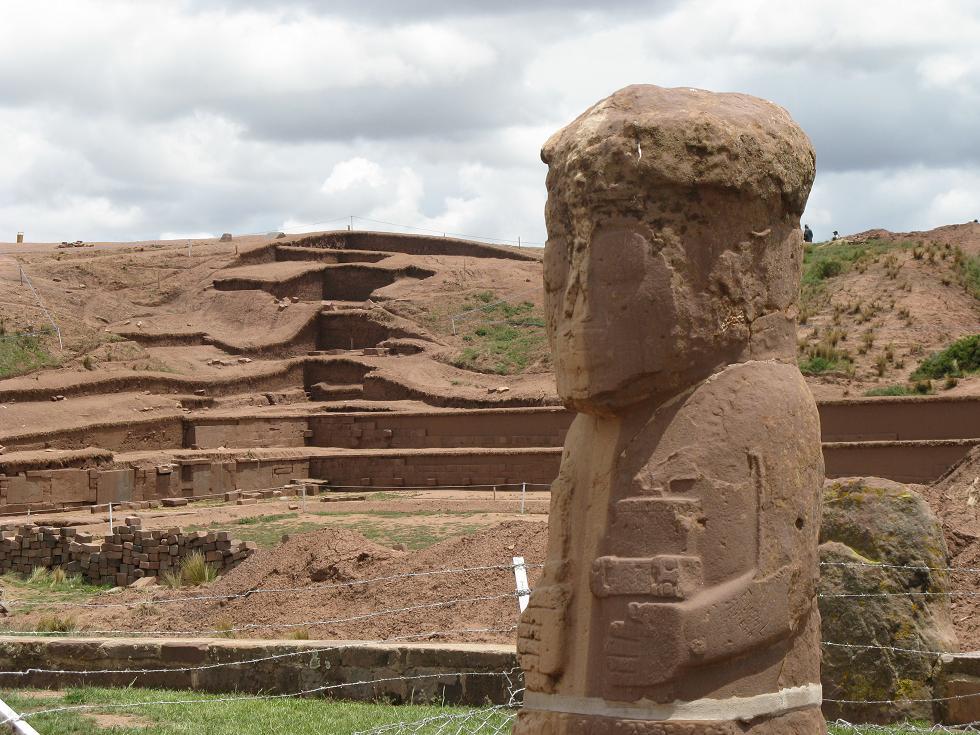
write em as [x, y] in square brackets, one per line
[674, 243]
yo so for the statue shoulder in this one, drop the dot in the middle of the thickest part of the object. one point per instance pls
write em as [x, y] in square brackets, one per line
[754, 391]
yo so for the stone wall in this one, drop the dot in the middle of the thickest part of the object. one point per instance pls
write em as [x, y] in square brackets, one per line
[247, 432]
[461, 673]
[127, 555]
[530, 427]
[156, 433]
[900, 418]
[186, 477]
[439, 468]
[920, 461]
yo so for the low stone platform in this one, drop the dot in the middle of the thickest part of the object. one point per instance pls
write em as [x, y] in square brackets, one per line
[454, 673]
[957, 689]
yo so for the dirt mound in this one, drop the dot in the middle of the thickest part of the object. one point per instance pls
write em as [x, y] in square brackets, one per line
[876, 304]
[325, 555]
[955, 498]
[336, 584]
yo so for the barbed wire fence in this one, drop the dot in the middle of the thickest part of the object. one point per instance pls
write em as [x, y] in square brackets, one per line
[25, 280]
[492, 718]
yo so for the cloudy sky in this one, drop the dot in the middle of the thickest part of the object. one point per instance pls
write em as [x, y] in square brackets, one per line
[127, 119]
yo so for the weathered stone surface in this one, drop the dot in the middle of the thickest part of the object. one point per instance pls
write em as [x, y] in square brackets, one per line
[678, 208]
[127, 556]
[407, 672]
[879, 538]
[682, 558]
[958, 689]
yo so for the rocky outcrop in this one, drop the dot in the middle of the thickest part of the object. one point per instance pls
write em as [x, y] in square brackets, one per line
[882, 601]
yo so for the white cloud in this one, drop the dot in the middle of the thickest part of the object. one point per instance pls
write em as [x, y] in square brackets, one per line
[186, 236]
[905, 199]
[128, 119]
[352, 173]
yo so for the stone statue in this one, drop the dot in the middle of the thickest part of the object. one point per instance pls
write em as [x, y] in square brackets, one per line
[678, 595]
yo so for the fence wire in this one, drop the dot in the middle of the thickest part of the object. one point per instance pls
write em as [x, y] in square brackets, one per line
[25, 604]
[493, 719]
[326, 688]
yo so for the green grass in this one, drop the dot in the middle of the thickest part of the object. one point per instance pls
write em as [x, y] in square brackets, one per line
[827, 260]
[249, 716]
[203, 713]
[502, 338]
[194, 570]
[824, 261]
[57, 624]
[253, 520]
[960, 358]
[267, 531]
[268, 534]
[825, 358]
[818, 364]
[968, 270]
[19, 355]
[891, 390]
[386, 495]
[415, 536]
[905, 729]
[395, 513]
[43, 587]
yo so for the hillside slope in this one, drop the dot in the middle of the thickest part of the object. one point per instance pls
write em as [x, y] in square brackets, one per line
[466, 318]
[877, 304]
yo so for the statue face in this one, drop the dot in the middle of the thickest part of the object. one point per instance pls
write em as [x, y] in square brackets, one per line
[612, 319]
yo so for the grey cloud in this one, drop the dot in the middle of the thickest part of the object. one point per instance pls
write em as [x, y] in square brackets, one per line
[387, 11]
[191, 142]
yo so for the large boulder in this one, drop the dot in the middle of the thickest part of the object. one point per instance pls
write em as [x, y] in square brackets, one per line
[883, 601]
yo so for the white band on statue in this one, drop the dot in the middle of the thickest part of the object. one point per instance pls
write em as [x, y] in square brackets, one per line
[733, 708]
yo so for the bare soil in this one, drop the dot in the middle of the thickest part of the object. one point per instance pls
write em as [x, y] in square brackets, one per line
[955, 498]
[307, 586]
[909, 307]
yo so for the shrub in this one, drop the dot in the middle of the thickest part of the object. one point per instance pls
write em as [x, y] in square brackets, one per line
[816, 365]
[19, 355]
[194, 570]
[300, 634]
[172, 579]
[881, 365]
[56, 624]
[961, 357]
[225, 628]
[40, 576]
[890, 390]
[828, 269]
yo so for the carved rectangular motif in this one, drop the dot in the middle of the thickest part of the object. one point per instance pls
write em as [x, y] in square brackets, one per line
[667, 577]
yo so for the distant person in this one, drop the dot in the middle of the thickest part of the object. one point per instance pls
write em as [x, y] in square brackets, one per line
[835, 235]
[807, 234]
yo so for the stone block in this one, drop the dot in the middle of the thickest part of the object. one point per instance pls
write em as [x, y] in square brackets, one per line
[114, 486]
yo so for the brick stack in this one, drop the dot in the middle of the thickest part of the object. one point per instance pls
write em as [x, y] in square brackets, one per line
[130, 553]
[25, 547]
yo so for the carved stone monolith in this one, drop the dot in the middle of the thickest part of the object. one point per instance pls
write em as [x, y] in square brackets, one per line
[679, 591]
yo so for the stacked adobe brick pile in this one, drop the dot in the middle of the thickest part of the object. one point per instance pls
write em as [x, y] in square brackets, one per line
[130, 553]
